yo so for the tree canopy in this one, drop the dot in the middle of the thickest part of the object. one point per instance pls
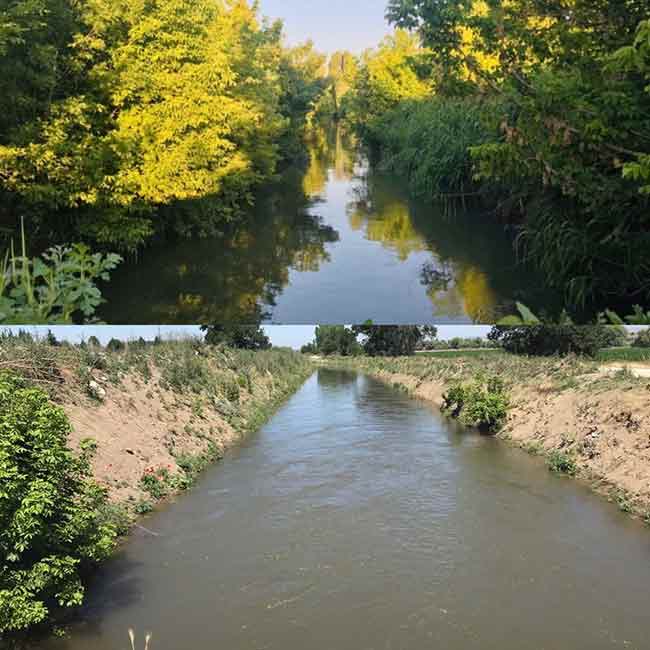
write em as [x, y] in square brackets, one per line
[539, 110]
[114, 108]
[393, 340]
[243, 337]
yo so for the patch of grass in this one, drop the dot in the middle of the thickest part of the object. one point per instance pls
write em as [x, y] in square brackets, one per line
[561, 463]
[631, 355]
[461, 354]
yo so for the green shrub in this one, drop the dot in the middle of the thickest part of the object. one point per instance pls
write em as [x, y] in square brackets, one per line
[143, 507]
[561, 463]
[482, 404]
[156, 482]
[53, 288]
[51, 529]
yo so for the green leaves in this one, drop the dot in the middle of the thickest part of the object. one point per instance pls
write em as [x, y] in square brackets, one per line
[50, 528]
[482, 403]
[55, 287]
[570, 162]
[126, 107]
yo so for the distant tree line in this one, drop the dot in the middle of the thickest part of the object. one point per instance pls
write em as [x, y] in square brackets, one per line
[542, 339]
[372, 340]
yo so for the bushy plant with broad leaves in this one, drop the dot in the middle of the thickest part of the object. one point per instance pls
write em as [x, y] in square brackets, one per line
[482, 403]
[52, 530]
[57, 287]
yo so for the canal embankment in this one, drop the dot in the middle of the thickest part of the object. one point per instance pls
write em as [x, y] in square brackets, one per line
[93, 438]
[589, 421]
[357, 512]
[154, 416]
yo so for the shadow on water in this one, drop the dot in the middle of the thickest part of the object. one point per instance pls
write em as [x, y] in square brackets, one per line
[335, 241]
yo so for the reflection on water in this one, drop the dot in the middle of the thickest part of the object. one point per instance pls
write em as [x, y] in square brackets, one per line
[455, 283]
[336, 241]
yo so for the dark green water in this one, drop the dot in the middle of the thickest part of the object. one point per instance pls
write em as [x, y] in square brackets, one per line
[358, 519]
[333, 243]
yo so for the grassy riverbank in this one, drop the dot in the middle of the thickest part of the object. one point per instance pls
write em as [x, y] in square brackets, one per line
[175, 406]
[588, 421]
[113, 434]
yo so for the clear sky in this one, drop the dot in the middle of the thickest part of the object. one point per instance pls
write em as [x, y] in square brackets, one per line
[353, 25]
[291, 336]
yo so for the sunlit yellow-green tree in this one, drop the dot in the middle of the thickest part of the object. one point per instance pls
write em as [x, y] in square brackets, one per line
[142, 104]
[392, 73]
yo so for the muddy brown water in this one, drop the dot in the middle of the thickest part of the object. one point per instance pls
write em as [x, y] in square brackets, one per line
[359, 519]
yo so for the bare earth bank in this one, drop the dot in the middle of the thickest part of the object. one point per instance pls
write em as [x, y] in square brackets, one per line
[599, 417]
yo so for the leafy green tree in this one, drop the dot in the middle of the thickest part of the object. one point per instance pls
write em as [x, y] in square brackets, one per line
[395, 72]
[243, 337]
[393, 340]
[336, 339]
[642, 339]
[116, 110]
[35, 36]
[115, 345]
[51, 530]
[303, 82]
[343, 68]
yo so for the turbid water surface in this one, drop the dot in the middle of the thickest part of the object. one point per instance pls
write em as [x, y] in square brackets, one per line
[359, 519]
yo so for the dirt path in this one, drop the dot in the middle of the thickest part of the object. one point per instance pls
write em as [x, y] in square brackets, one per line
[637, 369]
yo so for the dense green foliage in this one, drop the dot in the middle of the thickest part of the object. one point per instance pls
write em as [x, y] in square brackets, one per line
[548, 339]
[51, 527]
[642, 339]
[240, 337]
[113, 109]
[540, 108]
[57, 287]
[334, 339]
[393, 340]
[561, 463]
[428, 143]
[482, 404]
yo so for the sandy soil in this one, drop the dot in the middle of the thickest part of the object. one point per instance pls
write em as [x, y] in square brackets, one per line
[138, 426]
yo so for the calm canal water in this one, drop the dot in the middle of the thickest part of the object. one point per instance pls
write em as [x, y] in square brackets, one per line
[336, 242]
[357, 519]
